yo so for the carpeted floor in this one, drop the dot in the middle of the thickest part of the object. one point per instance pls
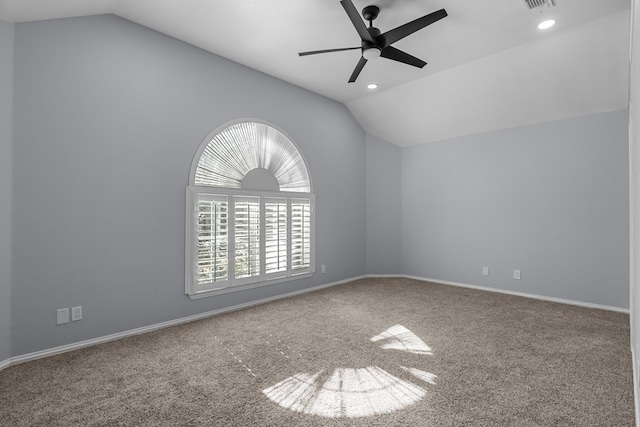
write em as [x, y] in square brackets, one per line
[375, 352]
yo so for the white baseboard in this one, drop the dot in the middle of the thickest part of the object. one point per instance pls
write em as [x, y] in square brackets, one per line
[520, 294]
[636, 383]
[384, 276]
[100, 340]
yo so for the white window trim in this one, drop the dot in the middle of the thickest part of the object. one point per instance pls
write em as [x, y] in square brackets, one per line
[196, 291]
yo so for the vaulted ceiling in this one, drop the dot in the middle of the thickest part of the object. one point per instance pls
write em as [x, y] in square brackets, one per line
[489, 66]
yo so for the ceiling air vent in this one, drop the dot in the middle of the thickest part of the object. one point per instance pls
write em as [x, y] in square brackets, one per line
[532, 4]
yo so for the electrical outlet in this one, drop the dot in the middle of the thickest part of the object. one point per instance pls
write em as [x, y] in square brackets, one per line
[323, 269]
[62, 316]
[485, 271]
[76, 313]
[516, 274]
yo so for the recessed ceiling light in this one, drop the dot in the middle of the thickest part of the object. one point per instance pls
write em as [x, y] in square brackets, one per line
[372, 86]
[546, 24]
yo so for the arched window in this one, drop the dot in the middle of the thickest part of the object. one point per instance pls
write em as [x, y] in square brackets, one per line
[250, 219]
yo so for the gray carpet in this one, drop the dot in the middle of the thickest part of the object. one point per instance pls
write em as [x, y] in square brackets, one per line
[375, 352]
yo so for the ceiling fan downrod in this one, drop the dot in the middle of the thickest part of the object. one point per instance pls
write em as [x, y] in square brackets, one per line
[370, 13]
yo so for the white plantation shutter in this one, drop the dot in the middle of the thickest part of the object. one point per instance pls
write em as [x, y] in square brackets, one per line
[245, 146]
[213, 241]
[247, 237]
[238, 235]
[300, 234]
[276, 235]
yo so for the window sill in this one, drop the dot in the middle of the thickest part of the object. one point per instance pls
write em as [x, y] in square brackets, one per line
[231, 289]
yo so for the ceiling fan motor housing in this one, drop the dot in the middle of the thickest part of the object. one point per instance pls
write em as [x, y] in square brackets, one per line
[377, 41]
[372, 50]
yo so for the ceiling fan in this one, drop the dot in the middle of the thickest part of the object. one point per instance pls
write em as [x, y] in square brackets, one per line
[375, 44]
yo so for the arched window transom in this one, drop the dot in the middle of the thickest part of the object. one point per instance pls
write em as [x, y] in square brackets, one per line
[244, 147]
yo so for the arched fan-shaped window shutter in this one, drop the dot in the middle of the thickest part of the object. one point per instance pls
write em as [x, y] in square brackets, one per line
[250, 211]
[242, 147]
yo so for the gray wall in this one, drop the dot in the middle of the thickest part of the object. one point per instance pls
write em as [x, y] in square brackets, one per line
[384, 228]
[551, 200]
[108, 116]
[6, 105]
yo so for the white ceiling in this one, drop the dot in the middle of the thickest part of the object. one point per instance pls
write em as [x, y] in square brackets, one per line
[489, 67]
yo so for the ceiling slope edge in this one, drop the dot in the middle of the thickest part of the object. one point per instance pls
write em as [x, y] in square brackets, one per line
[37, 10]
[578, 72]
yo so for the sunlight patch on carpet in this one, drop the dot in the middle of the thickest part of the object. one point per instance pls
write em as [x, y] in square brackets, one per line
[422, 375]
[400, 338]
[356, 392]
[348, 392]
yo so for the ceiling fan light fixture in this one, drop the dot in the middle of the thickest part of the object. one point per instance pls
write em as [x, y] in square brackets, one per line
[546, 24]
[371, 53]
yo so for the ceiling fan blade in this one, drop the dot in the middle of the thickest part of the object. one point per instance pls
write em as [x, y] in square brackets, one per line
[392, 53]
[354, 15]
[403, 31]
[313, 52]
[357, 70]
